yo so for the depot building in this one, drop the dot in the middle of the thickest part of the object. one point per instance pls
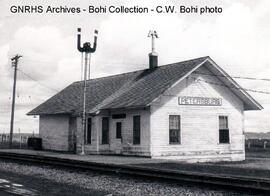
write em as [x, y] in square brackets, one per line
[191, 110]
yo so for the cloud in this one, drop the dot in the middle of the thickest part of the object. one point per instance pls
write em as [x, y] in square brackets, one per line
[123, 38]
[235, 39]
[47, 57]
[238, 40]
[42, 49]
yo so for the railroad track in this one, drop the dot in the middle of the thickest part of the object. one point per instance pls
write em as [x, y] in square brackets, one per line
[239, 182]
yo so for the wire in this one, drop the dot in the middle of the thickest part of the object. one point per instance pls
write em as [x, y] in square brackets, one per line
[237, 77]
[140, 64]
[251, 90]
[25, 74]
[233, 87]
[59, 98]
[210, 82]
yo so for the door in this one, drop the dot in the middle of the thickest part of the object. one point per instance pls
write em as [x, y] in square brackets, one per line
[118, 140]
[72, 135]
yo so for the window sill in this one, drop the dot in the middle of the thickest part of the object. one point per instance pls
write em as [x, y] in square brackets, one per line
[174, 144]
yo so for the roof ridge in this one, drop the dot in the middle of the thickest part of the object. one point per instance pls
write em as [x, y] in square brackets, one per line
[124, 89]
[141, 70]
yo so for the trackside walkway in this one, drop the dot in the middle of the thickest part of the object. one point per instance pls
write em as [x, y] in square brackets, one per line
[108, 159]
[256, 168]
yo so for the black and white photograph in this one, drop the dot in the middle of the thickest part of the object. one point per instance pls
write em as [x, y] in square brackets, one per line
[134, 98]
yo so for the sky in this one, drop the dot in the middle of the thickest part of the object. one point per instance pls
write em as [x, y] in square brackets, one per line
[238, 40]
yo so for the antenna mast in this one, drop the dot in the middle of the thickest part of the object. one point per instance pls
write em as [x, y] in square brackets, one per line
[86, 50]
[153, 56]
[154, 35]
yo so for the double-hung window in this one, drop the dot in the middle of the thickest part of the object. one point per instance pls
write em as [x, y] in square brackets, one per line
[174, 129]
[224, 136]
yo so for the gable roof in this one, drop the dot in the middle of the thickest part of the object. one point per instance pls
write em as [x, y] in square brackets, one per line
[131, 90]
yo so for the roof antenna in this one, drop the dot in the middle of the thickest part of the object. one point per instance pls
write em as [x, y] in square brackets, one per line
[153, 56]
[86, 50]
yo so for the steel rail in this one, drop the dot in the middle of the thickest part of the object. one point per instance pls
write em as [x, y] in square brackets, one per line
[227, 181]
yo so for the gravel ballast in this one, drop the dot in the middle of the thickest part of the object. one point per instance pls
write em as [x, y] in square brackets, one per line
[113, 184]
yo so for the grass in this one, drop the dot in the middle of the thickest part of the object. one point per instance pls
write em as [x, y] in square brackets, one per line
[15, 145]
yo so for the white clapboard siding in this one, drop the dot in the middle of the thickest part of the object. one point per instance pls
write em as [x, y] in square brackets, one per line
[199, 124]
[54, 132]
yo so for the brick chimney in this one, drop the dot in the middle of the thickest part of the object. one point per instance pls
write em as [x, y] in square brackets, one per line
[153, 60]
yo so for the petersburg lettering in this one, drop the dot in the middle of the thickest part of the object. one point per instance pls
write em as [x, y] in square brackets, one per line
[205, 101]
[112, 9]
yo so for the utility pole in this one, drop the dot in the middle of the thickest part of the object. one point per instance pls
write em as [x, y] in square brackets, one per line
[14, 63]
[86, 50]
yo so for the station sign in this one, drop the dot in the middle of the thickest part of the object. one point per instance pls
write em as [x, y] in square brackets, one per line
[204, 101]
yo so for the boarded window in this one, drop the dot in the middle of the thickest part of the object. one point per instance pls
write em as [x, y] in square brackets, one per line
[89, 130]
[174, 129]
[223, 130]
[136, 129]
[118, 130]
[105, 130]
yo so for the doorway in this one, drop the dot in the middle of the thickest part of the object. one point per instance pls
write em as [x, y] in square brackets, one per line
[72, 139]
[118, 136]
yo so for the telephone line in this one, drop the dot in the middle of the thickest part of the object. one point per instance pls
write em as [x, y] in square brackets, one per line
[236, 77]
[232, 87]
[30, 77]
[143, 64]
[251, 90]
[61, 99]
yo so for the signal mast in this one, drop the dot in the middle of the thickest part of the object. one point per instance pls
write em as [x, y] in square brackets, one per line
[86, 50]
